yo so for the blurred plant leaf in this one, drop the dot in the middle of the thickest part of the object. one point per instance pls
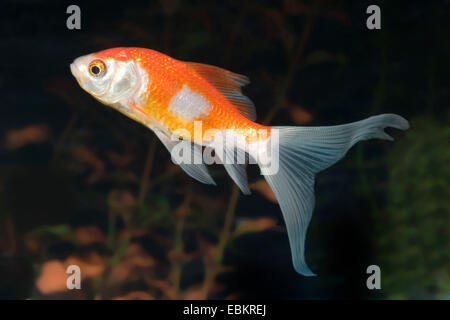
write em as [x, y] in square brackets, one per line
[135, 295]
[122, 202]
[154, 211]
[254, 225]
[18, 138]
[7, 237]
[414, 232]
[47, 235]
[298, 114]
[91, 264]
[123, 177]
[132, 266]
[320, 56]
[282, 32]
[262, 187]
[120, 160]
[52, 278]
[194, 292]
[87, 156]
[87, 235]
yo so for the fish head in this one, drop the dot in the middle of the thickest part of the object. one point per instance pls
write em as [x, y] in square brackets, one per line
[110, 76]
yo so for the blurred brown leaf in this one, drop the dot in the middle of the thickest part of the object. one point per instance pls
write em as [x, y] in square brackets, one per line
[208, 250]
[121, 201]
[136, 258]
[295, 7]
[18, 138]
[224, 268]
[299, 115]
[7, 237]
[163, 240]
[162, 285]
[208, 204]
[253, 225]
[86, 155]
[135, 295]
[64, 88]
[194, 292]
[262, 187]
[176, 255]
[32, 245]
[281, 31]
[132, 232]
[120, 160]
[53, 277]
[87, 235]
[184, 208]
[217, 286]
[120, 273]
[234, 296]
[91, 264]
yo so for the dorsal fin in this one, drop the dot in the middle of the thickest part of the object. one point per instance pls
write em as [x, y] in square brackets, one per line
[229, 84]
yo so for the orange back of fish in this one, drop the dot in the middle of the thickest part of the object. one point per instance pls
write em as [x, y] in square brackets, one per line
[166, 77]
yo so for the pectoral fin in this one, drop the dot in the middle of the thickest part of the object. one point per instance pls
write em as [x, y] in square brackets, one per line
[198, 171]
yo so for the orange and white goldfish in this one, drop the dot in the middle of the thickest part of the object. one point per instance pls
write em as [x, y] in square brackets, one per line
[172, 97]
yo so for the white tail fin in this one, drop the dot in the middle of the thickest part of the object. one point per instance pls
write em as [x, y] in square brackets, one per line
[303, 152]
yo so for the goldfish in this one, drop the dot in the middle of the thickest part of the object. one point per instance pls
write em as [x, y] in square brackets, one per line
[174, 98]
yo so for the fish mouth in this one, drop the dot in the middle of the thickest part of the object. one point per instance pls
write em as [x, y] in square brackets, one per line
[75, 72]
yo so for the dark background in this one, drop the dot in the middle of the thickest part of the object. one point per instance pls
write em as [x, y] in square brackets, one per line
[82, 184]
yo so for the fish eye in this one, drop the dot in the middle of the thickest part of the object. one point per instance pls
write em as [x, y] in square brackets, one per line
[97, 68]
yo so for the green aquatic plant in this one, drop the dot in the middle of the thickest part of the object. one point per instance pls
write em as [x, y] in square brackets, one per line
[414, 231]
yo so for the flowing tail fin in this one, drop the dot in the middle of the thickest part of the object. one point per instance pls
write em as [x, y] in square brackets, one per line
[303, 152]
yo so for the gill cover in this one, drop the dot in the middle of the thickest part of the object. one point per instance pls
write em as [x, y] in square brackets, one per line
[119, 80]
